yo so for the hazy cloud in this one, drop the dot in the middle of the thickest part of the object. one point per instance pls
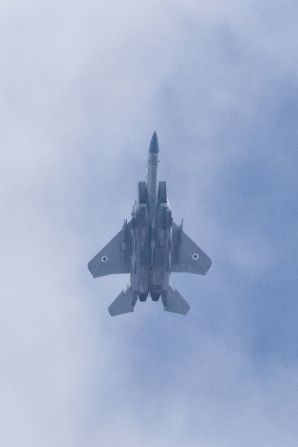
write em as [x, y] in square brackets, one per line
[82, 87]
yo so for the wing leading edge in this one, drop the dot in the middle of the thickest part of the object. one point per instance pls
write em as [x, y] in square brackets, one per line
[187, 257]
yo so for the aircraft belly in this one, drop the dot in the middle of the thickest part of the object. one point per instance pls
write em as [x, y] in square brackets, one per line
[140, 274]
[160, 273]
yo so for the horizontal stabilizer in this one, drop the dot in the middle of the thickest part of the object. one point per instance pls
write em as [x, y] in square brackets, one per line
[124, 303]
[174, 302]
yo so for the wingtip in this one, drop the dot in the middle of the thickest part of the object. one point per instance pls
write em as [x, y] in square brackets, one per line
[90, 269]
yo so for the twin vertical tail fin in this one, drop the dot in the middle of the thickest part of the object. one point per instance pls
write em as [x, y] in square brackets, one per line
[174, 302]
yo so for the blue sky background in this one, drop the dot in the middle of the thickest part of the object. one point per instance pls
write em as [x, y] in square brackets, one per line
[82, 87]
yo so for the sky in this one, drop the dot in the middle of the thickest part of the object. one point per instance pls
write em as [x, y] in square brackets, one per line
[83, 85]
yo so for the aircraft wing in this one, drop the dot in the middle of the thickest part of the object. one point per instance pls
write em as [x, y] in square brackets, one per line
[114, 257]
[187, 257]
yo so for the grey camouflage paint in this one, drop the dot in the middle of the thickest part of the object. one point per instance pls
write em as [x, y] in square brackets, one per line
[149, 247]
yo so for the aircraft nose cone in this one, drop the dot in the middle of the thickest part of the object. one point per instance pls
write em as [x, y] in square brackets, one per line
[154, 144]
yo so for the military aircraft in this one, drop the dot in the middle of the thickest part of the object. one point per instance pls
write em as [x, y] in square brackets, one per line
[150, 247]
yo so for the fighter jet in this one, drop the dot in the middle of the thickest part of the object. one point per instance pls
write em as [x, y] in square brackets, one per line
[150, 247]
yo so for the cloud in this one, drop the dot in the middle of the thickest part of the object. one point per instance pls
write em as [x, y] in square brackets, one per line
[84, 86]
